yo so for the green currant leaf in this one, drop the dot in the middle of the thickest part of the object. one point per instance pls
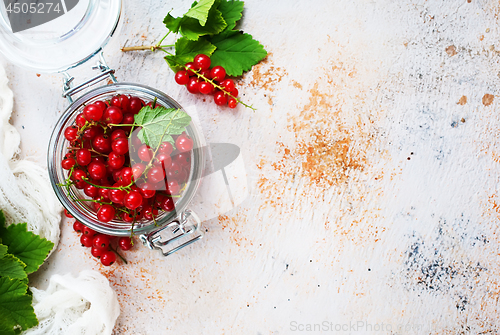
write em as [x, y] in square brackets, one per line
[192, 29]
[12, 267]
[16, 311]
[200, 11]
[30, 248]
[186, 50]
[3, 250]
[231, 12]
[236, 52]
[173, 23]
[159, 124]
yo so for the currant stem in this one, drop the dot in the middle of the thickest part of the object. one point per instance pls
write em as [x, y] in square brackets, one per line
[121, 188]
[153, 48]
[116, 252]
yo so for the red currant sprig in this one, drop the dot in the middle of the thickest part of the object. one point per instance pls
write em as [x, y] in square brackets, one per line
[199, 78]
[102, 245]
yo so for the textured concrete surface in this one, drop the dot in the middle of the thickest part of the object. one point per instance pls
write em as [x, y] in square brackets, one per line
[373, 162]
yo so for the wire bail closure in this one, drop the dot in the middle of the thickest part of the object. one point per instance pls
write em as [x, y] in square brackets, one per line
[106, 71]
[181, 230]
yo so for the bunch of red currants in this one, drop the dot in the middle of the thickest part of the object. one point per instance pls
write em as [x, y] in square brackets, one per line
[123, 178]
[200, 78]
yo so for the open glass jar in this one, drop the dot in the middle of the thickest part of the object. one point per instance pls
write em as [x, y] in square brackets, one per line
[86, 28]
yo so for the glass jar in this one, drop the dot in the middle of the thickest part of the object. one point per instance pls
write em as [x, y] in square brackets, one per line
[57, 150]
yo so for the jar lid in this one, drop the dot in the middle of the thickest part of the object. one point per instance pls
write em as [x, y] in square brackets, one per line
[56, 35]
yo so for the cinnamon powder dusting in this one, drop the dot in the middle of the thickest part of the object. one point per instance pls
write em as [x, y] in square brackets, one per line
[462, 101]
[265, 75]
[488, 99]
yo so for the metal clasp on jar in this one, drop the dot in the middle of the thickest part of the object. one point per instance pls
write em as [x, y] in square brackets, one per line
[176, 235]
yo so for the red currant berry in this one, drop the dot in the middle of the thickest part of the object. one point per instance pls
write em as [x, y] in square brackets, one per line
[68, 163]
[138, 170]
[92, 132]
[155, 175]
[83, 157]
[232, 103]
[104, 193]
[78, 226]
[193, 86]
[91, 190]
[173, 187]
[71, 133]
[66, 213]
[135, 105]
[118, 133]
[218, 73]
[116, 196]
[173, 170]
[147, 191]
[190, 68]
[101, 104]
[89, 232]
[206, 88]
[220, 98]
[181, 78]
[120, 146]
[127, 217]
[163, 160]
[126, 176]
[145, 153]
[108, 258]
[166, 148]
[97, 170]
[93, 112]
[101, 241]
[167, 204]
[97, 252]
[206, 74]
[228, 84]
[101, 144]
[183, 159]
[80, 120]
[184, 143]
[124, 103]
[132, 200]
[78, 175]
[125, 243]
[86, 240]
[113, 115]
[149, 212]
[106, 213]
[115, 161]
[233, 93]
[202, 62]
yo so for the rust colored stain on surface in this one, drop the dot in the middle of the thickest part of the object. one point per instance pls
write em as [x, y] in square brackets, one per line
[265, 75]
[488, 99]
[462, 101]
[451, 50]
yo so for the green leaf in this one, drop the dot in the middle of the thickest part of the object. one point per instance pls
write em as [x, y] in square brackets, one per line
[200, 11]
[185, 50]
[159, 124]
[172, 23]
[236, 52]
[30, 248]
[12, 267]
[15, 306]
[3, 250]
[231, 12]
[192, 29]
